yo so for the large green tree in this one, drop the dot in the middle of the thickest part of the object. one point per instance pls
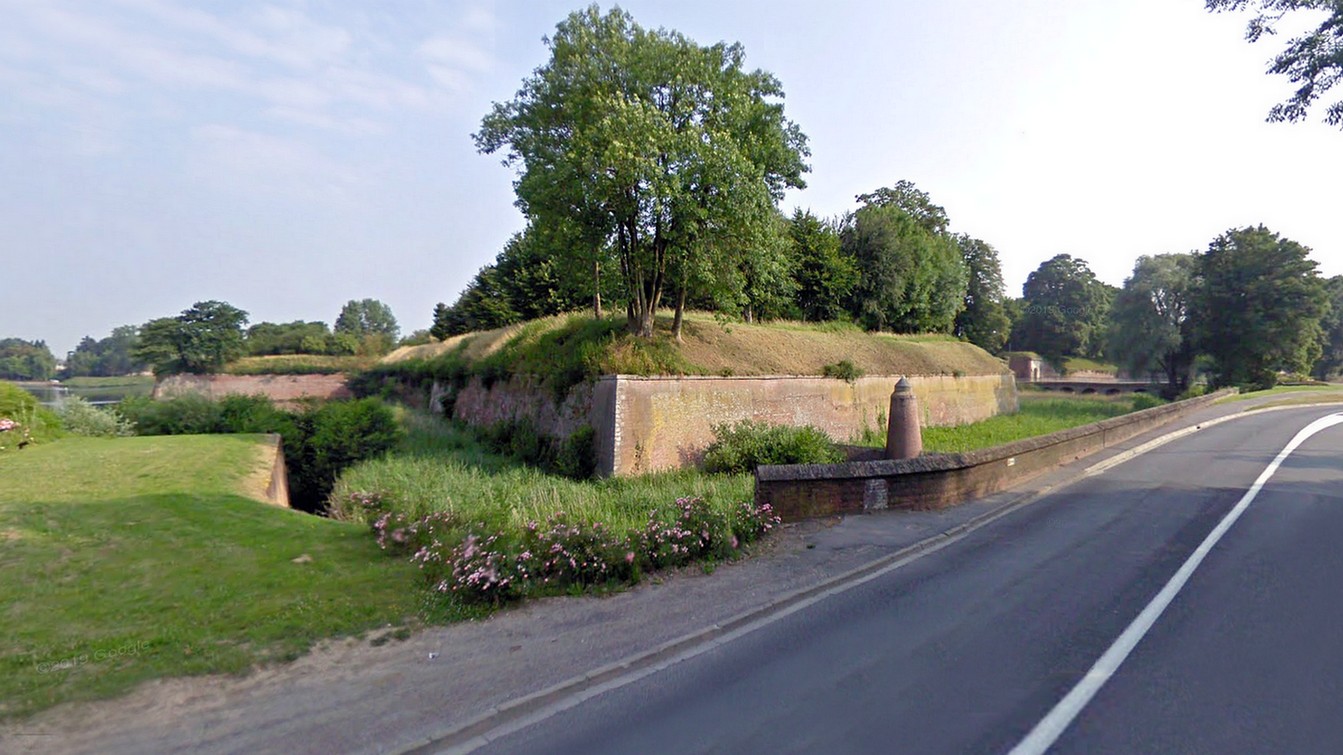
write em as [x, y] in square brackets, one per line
[1259, 307]
[912, 280]
[983, 321]
[670, 152]
[1331, 349]
[1151, 327]
[201, 339]
[1064, 311]
[366, 317]
[1312, 61]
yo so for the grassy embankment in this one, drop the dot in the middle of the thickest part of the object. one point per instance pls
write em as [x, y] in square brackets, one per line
[577, 345]
[1292, 395]
[299, 364]
[135, 558]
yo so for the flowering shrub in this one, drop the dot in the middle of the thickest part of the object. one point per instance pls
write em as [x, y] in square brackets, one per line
[484, 566]
[697, 531]
[12, 434]
[563, 553]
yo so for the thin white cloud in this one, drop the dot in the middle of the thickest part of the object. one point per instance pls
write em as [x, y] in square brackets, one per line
[255, 163]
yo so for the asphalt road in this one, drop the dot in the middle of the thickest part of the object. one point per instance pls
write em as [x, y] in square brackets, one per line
[967, 649]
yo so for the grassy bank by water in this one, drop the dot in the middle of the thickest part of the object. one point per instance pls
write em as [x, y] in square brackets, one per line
[127, 559]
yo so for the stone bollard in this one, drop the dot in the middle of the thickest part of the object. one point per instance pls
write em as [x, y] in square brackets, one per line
[904, 439]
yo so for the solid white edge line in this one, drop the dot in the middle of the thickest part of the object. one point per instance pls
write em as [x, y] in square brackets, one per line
[1052, 726]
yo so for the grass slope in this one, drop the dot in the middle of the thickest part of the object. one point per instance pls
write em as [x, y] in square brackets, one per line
[709, 348]
[135, 558]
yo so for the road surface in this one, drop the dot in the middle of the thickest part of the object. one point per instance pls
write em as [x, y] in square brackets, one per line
[969, 648]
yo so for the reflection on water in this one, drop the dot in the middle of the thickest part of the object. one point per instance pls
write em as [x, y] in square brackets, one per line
[52, 394]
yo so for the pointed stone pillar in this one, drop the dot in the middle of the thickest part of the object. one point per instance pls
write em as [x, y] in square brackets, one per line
[904, 438]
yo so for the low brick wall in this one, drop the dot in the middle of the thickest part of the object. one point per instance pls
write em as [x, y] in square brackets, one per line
[279, 388]
[934, 481]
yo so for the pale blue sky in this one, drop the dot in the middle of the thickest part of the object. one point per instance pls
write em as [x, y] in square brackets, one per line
[289, 156]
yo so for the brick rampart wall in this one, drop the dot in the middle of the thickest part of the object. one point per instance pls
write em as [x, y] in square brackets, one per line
[278, 388]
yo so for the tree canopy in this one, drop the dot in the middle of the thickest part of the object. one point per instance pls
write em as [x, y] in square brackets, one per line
[1064, 311]
[201, 339]
[671, 153]
[912, 278]
[1151, 321]
[1260, 307]
[26, 360]
[984, 321]
[1331, 355]
[1312, 61]
[105, 357]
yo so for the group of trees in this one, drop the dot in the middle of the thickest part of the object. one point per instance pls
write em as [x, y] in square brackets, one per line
[642, 153]
[25, 360]
[211, 334]
[1253, 305]
[891, 265]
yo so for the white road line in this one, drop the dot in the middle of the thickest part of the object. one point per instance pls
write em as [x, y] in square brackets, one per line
[1052, 726]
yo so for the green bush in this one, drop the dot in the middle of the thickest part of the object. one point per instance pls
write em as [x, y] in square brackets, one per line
[24, 419]
[1145, 401]
[79, 417]
[843, 370]
[327, 438]
[742, 447]
[191, 414]
[577, 457]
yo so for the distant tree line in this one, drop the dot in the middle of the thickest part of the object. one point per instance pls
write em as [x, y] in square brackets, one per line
[204, 338]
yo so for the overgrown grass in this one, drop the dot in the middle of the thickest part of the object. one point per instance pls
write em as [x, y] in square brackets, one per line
[1039, 415]
[130, 559]
[444, 468]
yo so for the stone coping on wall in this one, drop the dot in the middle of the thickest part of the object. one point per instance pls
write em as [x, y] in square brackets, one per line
[799, 491]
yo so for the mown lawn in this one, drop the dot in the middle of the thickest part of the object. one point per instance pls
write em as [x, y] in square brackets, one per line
[128, 559]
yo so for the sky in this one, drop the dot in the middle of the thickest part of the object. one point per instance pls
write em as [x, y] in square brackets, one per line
[287, 157]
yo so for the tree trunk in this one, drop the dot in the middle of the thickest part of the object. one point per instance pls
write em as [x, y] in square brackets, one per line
[597, 289]
[680, 315]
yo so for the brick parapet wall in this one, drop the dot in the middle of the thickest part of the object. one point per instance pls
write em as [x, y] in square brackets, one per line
[939, 480]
